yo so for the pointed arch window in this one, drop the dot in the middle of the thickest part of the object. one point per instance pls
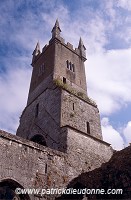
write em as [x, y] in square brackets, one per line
[39, 139]
[73, 68]
[70, 66]
[67, 62]
[7, 190]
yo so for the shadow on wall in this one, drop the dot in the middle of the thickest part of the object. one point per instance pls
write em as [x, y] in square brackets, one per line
[114, 175]
[39, 139]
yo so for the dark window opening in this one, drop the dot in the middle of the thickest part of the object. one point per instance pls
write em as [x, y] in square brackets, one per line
[46, 168]
[67, 64]
[70, 66]
[88, 127]
[73, 68]
[37, 110]
[73, 106]
[39, 139]
[64, 80]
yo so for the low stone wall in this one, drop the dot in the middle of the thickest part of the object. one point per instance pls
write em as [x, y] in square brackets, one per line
[30, 164]
[34, 166]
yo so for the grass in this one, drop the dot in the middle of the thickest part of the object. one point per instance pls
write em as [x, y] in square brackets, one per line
[72, 90]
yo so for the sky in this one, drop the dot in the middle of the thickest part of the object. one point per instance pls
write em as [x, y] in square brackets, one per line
[105, 28]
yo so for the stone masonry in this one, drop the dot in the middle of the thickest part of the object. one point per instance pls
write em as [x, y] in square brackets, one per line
[59, 135]
[31, 165]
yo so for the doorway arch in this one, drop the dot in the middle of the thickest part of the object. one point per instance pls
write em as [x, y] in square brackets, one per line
[7, 190]
[39, 139]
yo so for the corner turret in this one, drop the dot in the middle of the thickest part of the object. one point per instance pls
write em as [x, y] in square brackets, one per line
[56, 30]
[36, 52]
[82, 49]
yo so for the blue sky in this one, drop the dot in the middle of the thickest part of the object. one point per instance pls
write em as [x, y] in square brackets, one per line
[105, 27]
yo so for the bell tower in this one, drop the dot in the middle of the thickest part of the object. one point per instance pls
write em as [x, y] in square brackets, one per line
[58, 106]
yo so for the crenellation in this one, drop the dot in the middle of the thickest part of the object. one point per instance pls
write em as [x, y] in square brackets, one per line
[70, 45]
[62, 40]
[77, 51]
[45, 47]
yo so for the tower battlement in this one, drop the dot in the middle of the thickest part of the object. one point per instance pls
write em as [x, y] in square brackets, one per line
[68, 45]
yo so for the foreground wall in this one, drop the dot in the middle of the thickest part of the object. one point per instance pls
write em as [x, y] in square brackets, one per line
[30, 164]
[113, 176]
[34, 166]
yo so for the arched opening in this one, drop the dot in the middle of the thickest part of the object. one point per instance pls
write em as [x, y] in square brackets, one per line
[39, 139]
[8, 191]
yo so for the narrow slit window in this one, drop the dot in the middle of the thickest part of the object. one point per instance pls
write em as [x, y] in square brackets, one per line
[67, 64]
[88, 127]
[73, 68]
[73, 106]
[36, 110]
[70, 66]
[64, 80]
[41, 69]
[46, 168]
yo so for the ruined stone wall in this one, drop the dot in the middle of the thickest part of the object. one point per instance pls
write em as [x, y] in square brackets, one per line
[47, 123]
[77, 112]
[114, 175]
[88, 152]
[58, 108]
[30, 164]
[84, 152]
[36, 166]
[47, 82]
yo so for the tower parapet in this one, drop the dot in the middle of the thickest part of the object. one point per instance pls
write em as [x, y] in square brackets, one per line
[82, 49]
[56, 30]
[36, 52]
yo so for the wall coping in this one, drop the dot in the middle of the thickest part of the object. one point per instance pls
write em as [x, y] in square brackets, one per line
[87, 135]
[30, 144]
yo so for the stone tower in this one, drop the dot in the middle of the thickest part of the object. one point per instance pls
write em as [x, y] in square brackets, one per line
[59, 112]
[60, 132]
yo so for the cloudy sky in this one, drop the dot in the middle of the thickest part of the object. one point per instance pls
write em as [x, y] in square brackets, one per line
[105, 27]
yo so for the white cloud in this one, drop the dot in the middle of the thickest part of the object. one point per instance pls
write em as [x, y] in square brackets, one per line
[111, 136]
[127, 133]
[126, 4]
[109, 79]
[13, 96]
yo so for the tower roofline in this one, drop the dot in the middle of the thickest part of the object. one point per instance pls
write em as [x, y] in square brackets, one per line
[36, 52]
[56, 25]
[56, 30]
[81, 44]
